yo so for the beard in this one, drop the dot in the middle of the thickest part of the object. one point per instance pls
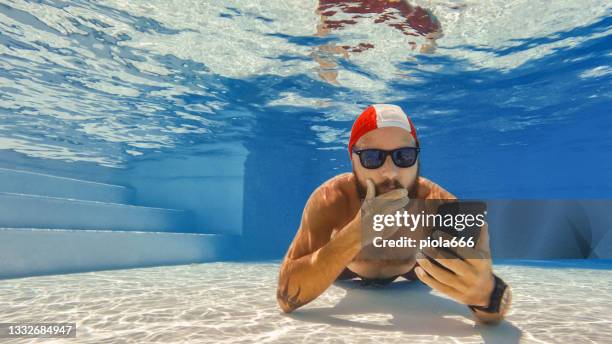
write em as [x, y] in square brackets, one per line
[413, 189]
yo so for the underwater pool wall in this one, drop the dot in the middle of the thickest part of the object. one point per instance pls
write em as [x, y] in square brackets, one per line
[58, 217]
[276, 192]
[207, 182]
[519, 228]
[221, 202]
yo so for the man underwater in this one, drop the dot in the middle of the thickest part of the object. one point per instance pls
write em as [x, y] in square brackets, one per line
[328, 246]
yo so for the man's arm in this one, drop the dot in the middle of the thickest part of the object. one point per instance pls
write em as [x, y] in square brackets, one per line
[313, 263]
[314, 260]
[485, 317]
[468, 280]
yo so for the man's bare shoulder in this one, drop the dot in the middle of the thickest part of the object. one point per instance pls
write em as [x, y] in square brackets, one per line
[335, 195]
[336, 189]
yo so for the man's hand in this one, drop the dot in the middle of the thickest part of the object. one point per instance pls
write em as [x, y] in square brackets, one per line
[386, 203]
[467, 278]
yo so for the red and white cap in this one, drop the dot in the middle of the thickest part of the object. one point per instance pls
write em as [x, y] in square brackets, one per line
[379, 116]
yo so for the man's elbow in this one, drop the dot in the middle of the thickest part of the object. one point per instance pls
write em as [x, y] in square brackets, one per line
[284, 306]
[287, 301]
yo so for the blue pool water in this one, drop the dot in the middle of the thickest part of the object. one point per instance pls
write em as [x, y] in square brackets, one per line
[511, 99]
[514, 101]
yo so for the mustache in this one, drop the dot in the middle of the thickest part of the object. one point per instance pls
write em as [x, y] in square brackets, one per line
[388, 185]
[413, 190]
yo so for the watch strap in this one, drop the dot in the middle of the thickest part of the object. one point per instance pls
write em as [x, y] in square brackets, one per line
[495, 299]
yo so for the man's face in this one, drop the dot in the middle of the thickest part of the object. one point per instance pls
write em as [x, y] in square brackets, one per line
[388, 176]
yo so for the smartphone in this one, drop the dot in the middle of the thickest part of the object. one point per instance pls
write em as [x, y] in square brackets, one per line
[460, 228]
[462, 211]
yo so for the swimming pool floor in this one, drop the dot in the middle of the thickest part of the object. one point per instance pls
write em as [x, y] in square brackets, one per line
[235, 303]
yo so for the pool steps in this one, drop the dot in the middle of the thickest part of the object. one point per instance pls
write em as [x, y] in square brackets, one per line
[51, 224]
[27, 182]
[56, 251]
[35, 211]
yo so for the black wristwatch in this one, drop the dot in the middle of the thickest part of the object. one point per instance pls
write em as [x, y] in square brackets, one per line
[499, 300]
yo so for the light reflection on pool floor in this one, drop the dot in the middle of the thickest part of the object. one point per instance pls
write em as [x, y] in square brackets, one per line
[235, 302]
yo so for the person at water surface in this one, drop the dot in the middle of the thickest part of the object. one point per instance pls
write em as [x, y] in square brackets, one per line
[329, 245]
[418, 24]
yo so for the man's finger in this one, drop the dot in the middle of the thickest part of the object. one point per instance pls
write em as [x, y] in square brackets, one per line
[451, 262]
[440, 274]
[394, 194]
[430, 281]
[391, 206]
[371, 189]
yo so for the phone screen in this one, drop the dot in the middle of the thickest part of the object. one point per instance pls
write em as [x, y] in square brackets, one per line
[461, 212]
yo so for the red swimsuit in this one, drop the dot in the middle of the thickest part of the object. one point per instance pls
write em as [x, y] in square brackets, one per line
[415, 19]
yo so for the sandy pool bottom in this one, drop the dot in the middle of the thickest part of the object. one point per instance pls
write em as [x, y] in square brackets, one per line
[235, 303]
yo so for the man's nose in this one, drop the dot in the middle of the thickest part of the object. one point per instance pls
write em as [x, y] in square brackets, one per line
[388, 169]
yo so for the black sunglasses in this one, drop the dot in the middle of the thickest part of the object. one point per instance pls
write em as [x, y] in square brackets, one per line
[372, 158]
